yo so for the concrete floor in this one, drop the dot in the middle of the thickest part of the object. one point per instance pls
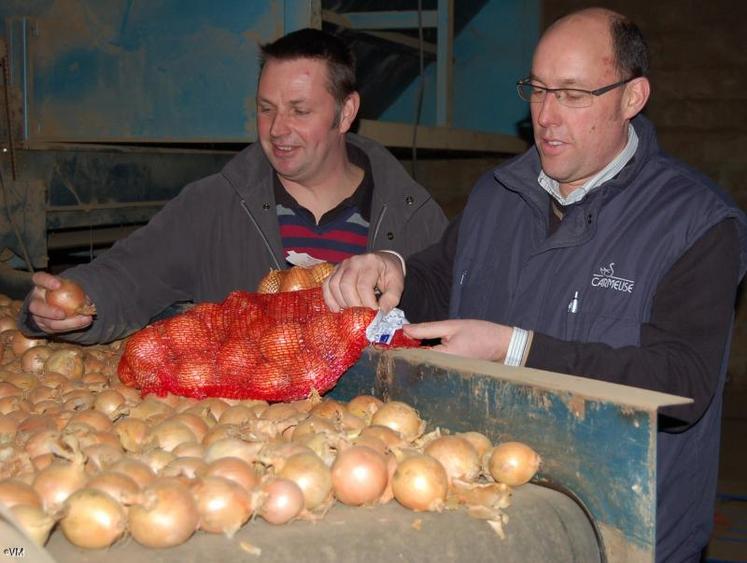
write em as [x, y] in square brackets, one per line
[729, 540]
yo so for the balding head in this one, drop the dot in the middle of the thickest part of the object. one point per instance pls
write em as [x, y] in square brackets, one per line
[581, 53]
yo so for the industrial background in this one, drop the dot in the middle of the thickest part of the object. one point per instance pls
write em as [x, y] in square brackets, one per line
[108, 108]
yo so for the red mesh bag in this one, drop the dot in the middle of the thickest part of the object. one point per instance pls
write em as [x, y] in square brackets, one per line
[276, 347]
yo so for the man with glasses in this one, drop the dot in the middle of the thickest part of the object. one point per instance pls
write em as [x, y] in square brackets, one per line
[594, 254]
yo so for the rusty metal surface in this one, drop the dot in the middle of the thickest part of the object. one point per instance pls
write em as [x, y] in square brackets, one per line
[600, 444]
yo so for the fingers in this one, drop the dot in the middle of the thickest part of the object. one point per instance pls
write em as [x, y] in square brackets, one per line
[43, 280]
[428, 331]
[51, 326]
[354, 282]
[48, 318]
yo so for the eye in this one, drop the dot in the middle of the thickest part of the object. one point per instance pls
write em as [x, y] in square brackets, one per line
[300, 111]
[574, 95]
[264, 109]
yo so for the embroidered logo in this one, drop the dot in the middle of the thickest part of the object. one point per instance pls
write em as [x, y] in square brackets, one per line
[607, 279]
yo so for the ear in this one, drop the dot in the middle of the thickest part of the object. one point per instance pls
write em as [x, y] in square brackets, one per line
[348, 112]
[635, 97]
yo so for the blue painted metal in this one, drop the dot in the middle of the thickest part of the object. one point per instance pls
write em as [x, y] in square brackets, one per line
[490, 54]
[444, 73]
[604, 451]
[164, 70]
[391, 20]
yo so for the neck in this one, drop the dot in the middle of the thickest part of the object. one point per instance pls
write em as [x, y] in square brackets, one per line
[339, 182]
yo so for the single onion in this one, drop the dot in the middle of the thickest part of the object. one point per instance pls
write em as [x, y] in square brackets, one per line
[95, 419]
[359, 475]
[67, 361]
[189, 449]
[282, 501]
[7, 323]
[233, 447]
[329, 409]
[93, 519]
[9, 390]
[167, 516]
[400, 417]
[188, 467]
[19, 343]
[314, 478]
[57, 482]
[457, 455]
[364, 406]
[139, 471]
[169, 434]
[109, 402]
[234, 469]
[237, 414]
[71, 298]
[512, 463]
[156, 458]
[34, 359]
[121, 487]
[224, 506]
[13, 492]
[197, 425]
[420, 483]
[132, 433]
[391, 438]
[34, 521]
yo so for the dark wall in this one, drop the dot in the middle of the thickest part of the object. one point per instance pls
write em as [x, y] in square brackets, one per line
[699, 99]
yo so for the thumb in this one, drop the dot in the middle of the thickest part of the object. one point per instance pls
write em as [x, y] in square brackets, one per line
[426, 331]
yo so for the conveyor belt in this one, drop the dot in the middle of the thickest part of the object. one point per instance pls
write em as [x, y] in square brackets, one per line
[543, 525]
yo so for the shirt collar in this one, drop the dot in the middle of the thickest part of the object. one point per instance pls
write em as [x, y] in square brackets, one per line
[607, 173]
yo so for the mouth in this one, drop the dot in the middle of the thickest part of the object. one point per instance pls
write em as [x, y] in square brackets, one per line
[283, 150]
[552, 146]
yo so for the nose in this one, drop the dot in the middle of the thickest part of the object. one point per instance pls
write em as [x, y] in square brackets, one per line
[279, 125]
[548, 111]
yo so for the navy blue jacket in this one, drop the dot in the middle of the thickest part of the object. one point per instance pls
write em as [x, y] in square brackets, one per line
[613, 249]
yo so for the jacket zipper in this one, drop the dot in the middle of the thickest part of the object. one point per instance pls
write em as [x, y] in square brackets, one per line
[378, 225]
[254, 222]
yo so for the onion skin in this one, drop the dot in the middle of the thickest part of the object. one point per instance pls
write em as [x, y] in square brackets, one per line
[512, 463]
[224, 506]
[283, 501]
[457, 455]
[93, 519]
[420, 483]
[35, 522]
[359, 476]
[57, 482]
[14, 492]
[313, 477]
[233, 469]
[71, 298]
[401, 418]
[167, 516]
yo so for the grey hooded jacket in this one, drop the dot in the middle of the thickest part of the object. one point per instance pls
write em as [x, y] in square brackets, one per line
[221, 233]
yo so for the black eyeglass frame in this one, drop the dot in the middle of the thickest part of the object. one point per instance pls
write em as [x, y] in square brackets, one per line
[597, 92]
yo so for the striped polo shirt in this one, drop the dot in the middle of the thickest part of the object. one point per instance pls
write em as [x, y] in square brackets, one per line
[341, 232]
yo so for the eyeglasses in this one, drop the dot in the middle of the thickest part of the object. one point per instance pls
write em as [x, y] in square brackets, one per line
[570, 97]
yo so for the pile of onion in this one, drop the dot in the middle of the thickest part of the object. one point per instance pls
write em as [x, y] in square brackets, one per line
[80, 449]
[295, 278]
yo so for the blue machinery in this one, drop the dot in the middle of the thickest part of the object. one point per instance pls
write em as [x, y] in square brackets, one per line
[110, 106]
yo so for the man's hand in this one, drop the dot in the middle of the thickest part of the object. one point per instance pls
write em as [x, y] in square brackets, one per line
[474, 339]
[48, 318]
[355, 281]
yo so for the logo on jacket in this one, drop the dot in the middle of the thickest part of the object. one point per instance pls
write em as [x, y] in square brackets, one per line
[607, 279]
